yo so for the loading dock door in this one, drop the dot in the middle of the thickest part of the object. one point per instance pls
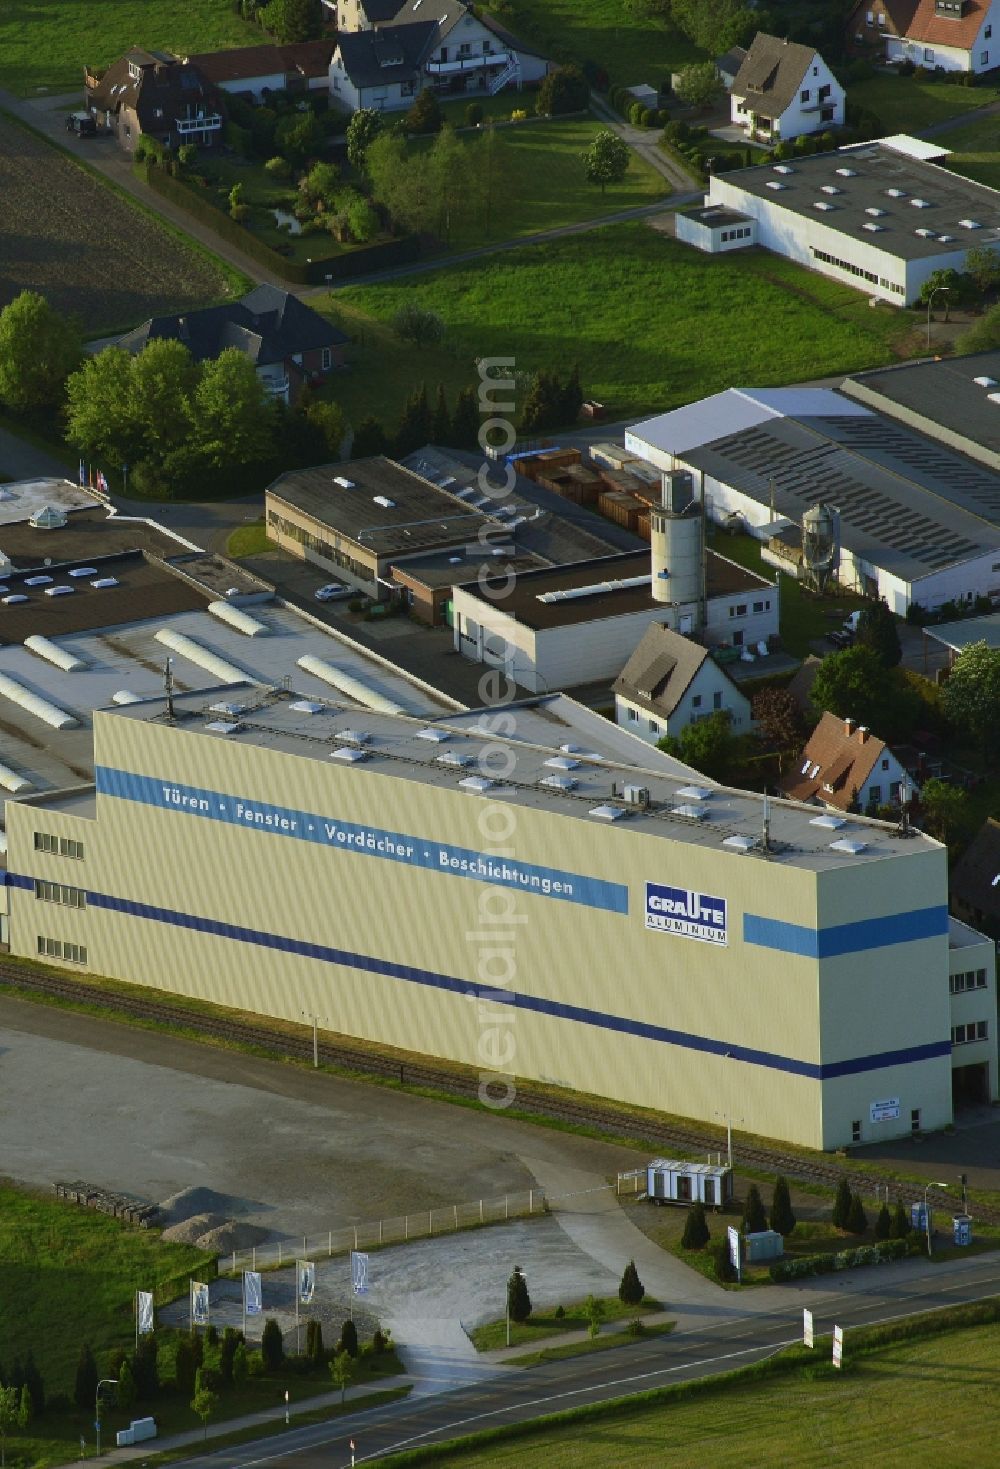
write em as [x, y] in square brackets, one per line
[970, 1085]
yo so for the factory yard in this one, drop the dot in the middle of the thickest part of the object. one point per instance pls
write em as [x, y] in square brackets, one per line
[87, 249]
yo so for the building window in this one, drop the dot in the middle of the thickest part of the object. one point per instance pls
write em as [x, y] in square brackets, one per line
[804, 95]
[870, 17]
[717, 700]
[885, 765]
[856, 1131]
[915, 1120]
[632, 714]
[46, 842]
[928, 54]
[987, 33]
[984, 57]
[976, 1030]
[58, 892]
[696, 701]
[738, 609]
[326, 359]
[874, 795]
[654, 728]
[56, 949]
[881, 18]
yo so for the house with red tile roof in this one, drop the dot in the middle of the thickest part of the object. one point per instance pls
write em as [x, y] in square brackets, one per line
[943, 35]
[847, 768]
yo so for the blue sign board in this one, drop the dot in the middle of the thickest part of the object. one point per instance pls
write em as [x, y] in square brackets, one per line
[686, 913]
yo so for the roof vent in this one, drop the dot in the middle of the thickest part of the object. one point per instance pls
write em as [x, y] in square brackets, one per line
[353, 736]
[559, 782]
[852, 848]
[970, 224]
[993, 397]
[872, 228]
[436, 736]
[925, 234]
[741, 843]
[345, 484]
[830, 189]
[607, 813]
[477, 783]
[829, 821]
[945, 239]
[693, 813]
[103, 582]
[230, 709]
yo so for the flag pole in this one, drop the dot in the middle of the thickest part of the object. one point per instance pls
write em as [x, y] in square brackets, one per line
[244, 1293]
[297, 1346]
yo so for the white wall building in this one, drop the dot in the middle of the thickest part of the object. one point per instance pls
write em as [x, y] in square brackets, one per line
[880, 216]
[670, 682]
[783, 90]
[949, 35]
[917, 520]
[715, 229]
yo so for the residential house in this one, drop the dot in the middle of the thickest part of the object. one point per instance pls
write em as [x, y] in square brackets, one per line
[255, 71]
[783, 89]
[975, 881]
[153, 94]
[943, 35]
[288, 342]
[387, 53]
[727, 66]
[670, 682]
[847, 768]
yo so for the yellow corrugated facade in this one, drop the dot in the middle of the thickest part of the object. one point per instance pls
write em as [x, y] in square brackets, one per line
[440, 935]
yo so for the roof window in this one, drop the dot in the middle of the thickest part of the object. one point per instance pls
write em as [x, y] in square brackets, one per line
[847, 173]
[775, 184]
[874, 211]
[607, 813]
[970, 224]
[920, 203]
[783, 168]
[896, 193]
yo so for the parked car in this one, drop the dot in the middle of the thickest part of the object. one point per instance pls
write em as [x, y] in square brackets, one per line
[333, 591]
[82, 124]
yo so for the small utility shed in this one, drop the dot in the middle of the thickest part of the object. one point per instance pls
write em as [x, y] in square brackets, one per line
[714, 229]
[672, 1182]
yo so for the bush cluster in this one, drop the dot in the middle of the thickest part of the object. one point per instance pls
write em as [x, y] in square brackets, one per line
[798, 1267]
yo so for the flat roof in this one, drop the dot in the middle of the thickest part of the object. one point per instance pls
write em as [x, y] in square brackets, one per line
[381, 506]
[89, 533]
[906, 503]
[144, 589]
[462, 564]
[715, 216]
[959, 635]
[851, 182]
[523, 603]
[22, 498]
[944, 394]
[397, 747]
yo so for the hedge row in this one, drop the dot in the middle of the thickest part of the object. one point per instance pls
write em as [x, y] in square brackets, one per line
[799, 1266]
[380, 256]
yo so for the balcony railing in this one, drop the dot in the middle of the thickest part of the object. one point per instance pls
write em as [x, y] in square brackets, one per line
[467, 63]
[208, 124]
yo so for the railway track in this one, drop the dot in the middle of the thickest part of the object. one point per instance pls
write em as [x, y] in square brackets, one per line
[530, 1102]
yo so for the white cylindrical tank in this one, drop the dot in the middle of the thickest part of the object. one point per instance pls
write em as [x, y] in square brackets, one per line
[675, 535]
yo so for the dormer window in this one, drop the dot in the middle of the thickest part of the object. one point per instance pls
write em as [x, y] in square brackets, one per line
[135, 71]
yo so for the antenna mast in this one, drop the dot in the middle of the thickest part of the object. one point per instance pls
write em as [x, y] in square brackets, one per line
[168, 688]
[766, 841]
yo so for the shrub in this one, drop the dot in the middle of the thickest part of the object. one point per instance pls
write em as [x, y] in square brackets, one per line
[563, 90]
[857, 1219]
[272, 1348]
[635, 1327]
[724, 1268]
[185, 1366]
[425, 114]
[560, 1312]
[241, 1366]
[518, 115]
[754, 1217]
[637, 114]
[696, 1231]
[278, 167]
[474, 114]
[842, 1205]
[211, 1335]
[782, 1216]
[900, 1218]
[348, 1339]
[631, 1289]
[239, 213]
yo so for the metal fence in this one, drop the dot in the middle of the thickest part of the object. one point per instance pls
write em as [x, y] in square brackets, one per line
[422, 1224]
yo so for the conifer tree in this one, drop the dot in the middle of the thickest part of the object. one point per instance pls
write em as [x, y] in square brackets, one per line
[754, 1217]
[696, 1232]
[842, 1205]
[782, 1216]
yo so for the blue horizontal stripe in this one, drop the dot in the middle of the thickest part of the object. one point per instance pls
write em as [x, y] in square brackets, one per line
[450, 984]
[859, 937]
[351, 839]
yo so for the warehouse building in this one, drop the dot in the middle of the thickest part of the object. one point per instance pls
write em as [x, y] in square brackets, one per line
[880, 216]
[918, 522]
[955, 400]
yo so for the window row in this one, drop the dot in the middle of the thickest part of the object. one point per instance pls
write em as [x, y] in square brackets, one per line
[743, 233]
[58, 892]
[58, 846]
[62, 949]
[312, 542]
[972, 979]
[976, 1030]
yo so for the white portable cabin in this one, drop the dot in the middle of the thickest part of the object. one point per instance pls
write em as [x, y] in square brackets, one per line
[672, 1182]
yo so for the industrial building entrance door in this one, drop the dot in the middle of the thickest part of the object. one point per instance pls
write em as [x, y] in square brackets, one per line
[970, 1085]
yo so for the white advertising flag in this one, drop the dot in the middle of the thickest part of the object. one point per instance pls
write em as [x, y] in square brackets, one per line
[807, 1328]
[735, 1252]
[253, 1303]
[199, 1303]
[359, 1273]
[144, 1311]
[305, 1271]
[838, 1346]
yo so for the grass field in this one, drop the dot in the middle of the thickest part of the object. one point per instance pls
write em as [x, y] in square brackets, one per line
[933, 1401]
[910, 104]
[652, 323]
[493, 1334]
[69, 1275]
[44, 44]
[976, 150]
[88, 249]
[631, 51]
[249, 540]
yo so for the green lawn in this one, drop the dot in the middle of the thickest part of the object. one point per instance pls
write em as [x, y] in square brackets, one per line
[44, 44]
[631, 51]
[905, 1403]
[606, 1342]
[805, 616]
[493, 1334]
[652, 323]
[911, 104]
[249, 540]
[976, 150]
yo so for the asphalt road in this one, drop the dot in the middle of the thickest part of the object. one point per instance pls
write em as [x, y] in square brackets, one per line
[517, 1395]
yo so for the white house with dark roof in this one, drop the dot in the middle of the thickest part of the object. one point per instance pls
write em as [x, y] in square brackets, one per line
[670, 682]
[783, 89]
[388, 52]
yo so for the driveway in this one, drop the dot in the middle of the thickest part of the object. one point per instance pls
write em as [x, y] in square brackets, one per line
[21, 460]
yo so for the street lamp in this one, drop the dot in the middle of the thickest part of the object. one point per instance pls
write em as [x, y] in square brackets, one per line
[930, 301]
[927, 1215]
[286, 1407]
[308, 1015]
[104, 1382]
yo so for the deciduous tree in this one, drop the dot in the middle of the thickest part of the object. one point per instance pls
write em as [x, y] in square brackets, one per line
[363, 128]
[877, 630]
[971, 697]
[10, 1405]
[714, 25]
[778, 717]
[230, 411]
[38, 350]
[416, 324]
[425, 115]
[944, 810]
[342, 1371]
[293, 20]
[204, 1403]
[698, 84]
[982, 262]
[564, 89]
[370, 438]
[607, 159]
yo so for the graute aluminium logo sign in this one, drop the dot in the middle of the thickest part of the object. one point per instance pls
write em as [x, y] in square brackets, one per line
[681, 911]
